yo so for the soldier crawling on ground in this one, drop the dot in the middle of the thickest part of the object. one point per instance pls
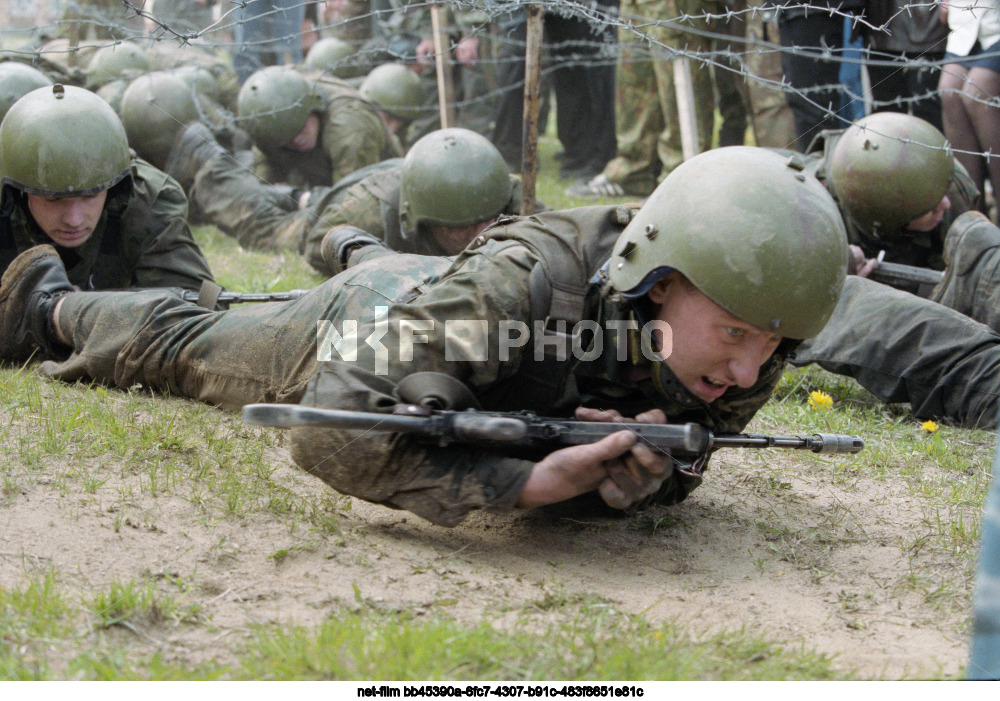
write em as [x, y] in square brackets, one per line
[114, 220]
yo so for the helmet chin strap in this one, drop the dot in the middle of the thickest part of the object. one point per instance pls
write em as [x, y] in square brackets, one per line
[663, 378]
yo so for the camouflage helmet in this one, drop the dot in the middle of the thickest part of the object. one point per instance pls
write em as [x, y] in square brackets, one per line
[394, 89]
[17, 80]
[751, 230]
[114, 62]
[889, 168]
[154, 107]
[333, 56]
[274, 103]
[63, 141]
[453, 177]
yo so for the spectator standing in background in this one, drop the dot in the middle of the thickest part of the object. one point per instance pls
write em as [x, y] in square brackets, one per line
[266, 34]
[912, 37]
[970, 82]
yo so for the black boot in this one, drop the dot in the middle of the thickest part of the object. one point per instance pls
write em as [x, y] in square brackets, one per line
[194, 146]
[28, 291]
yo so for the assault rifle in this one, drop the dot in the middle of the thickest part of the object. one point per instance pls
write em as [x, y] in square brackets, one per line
[240, 297]
[525, 429]
[905, 276]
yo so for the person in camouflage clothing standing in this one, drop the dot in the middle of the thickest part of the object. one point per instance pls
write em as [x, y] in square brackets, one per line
[648, 126]
[68, 179]
[623, 275]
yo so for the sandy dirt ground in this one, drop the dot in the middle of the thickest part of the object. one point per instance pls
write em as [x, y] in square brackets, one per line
[770, 543]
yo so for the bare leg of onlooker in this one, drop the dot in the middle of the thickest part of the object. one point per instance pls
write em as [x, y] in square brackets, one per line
[958, 126]
[982, 86]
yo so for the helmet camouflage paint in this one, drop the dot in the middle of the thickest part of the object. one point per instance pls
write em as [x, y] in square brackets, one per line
[453, 177]
[274, 103]
[63, 141]
[751, 230]
[888, 169]
[394, 89]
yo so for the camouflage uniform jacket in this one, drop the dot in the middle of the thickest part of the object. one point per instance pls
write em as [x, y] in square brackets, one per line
[458, 318]
[918, 248]
[144, 242]
[372, 204]
[352, 136]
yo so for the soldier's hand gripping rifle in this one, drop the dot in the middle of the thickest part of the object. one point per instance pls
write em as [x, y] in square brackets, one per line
[525, 429]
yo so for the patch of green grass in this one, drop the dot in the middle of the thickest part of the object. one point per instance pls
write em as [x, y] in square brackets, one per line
[241, 270]
[32, 618]
[132, 604]
[594, 642]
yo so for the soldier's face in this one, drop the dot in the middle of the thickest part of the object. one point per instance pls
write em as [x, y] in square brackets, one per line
[68, 221]
[712, 349]
[308, 137]
[930, 220]
[454, 239]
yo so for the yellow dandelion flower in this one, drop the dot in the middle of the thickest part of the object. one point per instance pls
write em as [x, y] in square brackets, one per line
[820, 401]
[929, 426]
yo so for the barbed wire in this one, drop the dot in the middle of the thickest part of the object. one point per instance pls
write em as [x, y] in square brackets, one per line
[139, 21]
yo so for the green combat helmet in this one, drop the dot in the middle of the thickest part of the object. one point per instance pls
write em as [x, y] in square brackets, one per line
[394, 89]
[274, 103]
[154, 108]
[889, 168]
[17, 80]
[63, 141]
[752, 231]
[115, 62]
[200, 80]
[453, 177]
[333, 56]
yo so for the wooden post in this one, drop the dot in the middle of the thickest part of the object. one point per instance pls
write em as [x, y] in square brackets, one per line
[532, 79]
[685, 107]
[442, 64]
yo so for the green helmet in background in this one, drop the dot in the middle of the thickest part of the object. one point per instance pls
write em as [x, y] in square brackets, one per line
[274, 103]
[112, 94]
[116, 62]
[199, 79]
[752, 231]
[888, 169]
[63, 141]
[453, 177]
[17, 80]
[333, 56]
[154, 107]
[394, 89]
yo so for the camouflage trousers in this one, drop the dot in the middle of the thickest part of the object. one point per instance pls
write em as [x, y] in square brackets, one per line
[261, 217]
[971, 283]
[770, 115]
[903, 348]
[254, 353]
[648, 123]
